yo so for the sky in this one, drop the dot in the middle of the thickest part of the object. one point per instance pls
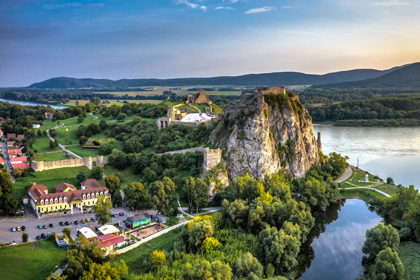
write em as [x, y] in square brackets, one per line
[201, 38]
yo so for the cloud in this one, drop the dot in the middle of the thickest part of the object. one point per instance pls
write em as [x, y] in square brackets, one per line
[60, 6]
[260, 10]
[390, 3]
[191, 5]
[223, 8]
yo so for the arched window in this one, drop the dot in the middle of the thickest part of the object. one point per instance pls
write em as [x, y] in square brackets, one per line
[55, 200]
[61, 200]
[106, 192]
[51, 201]
[84, 196]
[88, 196]
[102, 193]
[65, 199]
[42, 202]
[46, 201]
[97, 194]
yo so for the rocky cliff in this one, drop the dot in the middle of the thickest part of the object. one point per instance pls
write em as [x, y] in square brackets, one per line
[266, 131]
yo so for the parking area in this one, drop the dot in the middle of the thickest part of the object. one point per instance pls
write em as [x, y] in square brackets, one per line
[31, 223]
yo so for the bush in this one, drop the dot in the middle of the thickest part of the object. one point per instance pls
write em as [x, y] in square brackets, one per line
[25, 237]
[405, 234]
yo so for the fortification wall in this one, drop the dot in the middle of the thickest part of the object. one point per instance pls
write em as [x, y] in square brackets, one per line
[39, 166]
[211, 158]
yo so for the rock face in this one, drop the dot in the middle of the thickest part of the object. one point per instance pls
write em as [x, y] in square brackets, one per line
[267, 131]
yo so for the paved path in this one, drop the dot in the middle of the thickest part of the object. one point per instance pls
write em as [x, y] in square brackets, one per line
[183, 151]
[7, 159]
[366, 188]
[94, 117]
[182, 211]
[62, 146]
[199, 111]
[346, 175]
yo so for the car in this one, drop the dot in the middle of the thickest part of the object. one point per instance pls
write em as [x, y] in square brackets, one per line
[113, 215]
[87, 220]
[51, 225]
[61, 223]
[43, 236]
[23, 228]
[83, 221]
[76, 222]
[40, 226]
[93, 219]
[44, 226]
[13, 229]
[121, 213]
[18, 228]
[38, 238]
[67, 223]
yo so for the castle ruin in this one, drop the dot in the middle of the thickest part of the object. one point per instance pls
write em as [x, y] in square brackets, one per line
[39, 166]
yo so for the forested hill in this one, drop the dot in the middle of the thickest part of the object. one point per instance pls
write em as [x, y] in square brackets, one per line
[279, 78]
[404, 78]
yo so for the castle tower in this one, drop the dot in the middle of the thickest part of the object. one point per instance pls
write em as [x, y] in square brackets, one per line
[88, 162]
[318, 141]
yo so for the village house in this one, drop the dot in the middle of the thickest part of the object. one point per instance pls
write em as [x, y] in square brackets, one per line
[110, 242]
[64, 197]
[18, 160]
[14, 152]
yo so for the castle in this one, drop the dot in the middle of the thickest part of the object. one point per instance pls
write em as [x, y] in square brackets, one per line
[200, 97]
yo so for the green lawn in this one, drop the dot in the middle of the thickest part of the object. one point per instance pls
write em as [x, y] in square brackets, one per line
[136, 257]
[410, 257]
[42, 144]
[127, 174]
[49, 157]
[49, 178]
[30, 261]
[216, 109]
[201, 106]
[364, 194]
[189, 107]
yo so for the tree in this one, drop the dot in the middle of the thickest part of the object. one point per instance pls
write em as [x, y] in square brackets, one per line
[82, 140]
[121, 117]
[197, 191]
[156, 259]
[136, 196]
[248, 266]
[387, 266]
[80, 119]
[163, 196]
[39, 132]
[210, 244]
[52, 144]
[93, 128]
[67, 231]
[24, 237]
[81, 177]
[379, 238]
[206, 270]
[106, 271]
[103, 124]
[390, 181]
[96, 101]
[113, 184]
[7, 202]
[117, 199]
[97, 172]
[101, 209]
[77, 102]
[199, 232]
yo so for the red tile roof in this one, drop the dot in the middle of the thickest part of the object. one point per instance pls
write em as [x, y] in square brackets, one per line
[1, 160]
[21, 165]
[62, 187]
[14, 152]
[91, 183]
[20, 137]
[16, 159]
[37, 190]
[11, 135]
[109, 240]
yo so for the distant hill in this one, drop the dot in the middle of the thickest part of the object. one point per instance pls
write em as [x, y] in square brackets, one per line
[279, 78]
[404, 77]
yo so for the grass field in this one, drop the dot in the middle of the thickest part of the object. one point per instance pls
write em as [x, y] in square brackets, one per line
[42, 144]
[30, 261]
[127, 174]
[60, 155]
[135, 259]
[113, 101]
[49, 178]
[410, 257]
[364, 194]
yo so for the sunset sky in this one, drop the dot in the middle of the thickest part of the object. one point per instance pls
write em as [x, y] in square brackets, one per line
[201, 38]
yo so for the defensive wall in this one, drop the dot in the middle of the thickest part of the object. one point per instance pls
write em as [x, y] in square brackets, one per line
[211, 158]
[39, 166]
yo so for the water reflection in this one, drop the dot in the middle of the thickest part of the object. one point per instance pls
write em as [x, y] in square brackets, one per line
[334, 248]
[31, 103]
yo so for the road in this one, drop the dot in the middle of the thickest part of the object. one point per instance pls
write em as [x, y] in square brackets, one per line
[31, 222]
[62, 146]
[6, 158]
[346, 175]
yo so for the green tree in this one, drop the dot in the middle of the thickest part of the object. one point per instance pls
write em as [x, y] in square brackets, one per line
[7, 202]
[390, 181]
[39, 132]
[101, 209]
[197, 191]
[136, 196]
[199, 232]
[97, 172]
[248, 266]
[52, 144]
[80, 119]
[67, 231]
[24, 237]
[121, 117]
[81, 177]
[96, 101]
[379, 238]
[163, 196]
[103, 124]
[106, 271]
[117, 199]
[156, 260]
[387, 266]
[113, 184]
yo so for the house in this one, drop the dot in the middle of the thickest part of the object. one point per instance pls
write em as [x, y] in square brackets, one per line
[36, 125]
[22, 166]
[138, 220]
[49, 115]
[1, 161]
[11, 145]
[14, 152]
[20, 137]
[1, 133]
[88, 233]
[11, 136]
[110, 242]
[107, 229]
[16, 160]
[64, 197]
[90, 184]
[160, 219]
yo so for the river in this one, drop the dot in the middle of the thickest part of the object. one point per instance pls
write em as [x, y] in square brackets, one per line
[31, 103]
[334, 247]
[384, 151]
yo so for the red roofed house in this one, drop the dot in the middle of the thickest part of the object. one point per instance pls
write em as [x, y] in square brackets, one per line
[11, 136]
[20, 137]
[16, 160]
[14, 152]
[1, 160]
[21, 166]
[1, 133]
[110, 242]
[90, 184]
[63, 197]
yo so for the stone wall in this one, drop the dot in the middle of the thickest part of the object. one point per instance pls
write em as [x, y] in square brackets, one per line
[39, 166]
[211, 158]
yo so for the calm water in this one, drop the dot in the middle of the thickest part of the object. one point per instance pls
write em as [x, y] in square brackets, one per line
[383, 151]
[31, 103]
[334, 247]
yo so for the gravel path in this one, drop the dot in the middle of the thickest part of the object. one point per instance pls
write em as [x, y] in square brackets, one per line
[345, 175]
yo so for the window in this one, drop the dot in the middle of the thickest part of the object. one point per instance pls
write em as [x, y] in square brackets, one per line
[88, 196]
[55, 200]
[65, 199]
[102, 193]
[46, 201]
[88, 202]
[61, 200]
[84, 196]
[51, 201]
[97, 194]
[42, 202]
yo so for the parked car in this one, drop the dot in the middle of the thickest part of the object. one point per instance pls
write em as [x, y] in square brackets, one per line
[121, 213]
[13, 229]
[18, 228]
[38, 238]
[67, 223]
[44, 226]
[83, 221]
[93, 219]
[76, 222]
[43, 236]
[51, 225]
[113, 215]
[23, 228]
[40, 226]
[61, 223]
[87, 220]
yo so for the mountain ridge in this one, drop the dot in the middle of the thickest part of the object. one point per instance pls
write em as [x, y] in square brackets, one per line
[274, 78]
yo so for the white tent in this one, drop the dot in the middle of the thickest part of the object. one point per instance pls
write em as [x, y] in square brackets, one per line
[87, 232]
[106, 229]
